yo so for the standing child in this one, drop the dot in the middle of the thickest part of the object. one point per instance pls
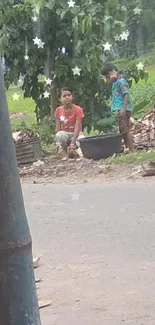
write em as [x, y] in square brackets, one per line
[68, 122]
[120, 103]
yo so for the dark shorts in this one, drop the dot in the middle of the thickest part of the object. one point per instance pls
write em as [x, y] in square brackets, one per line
[124, 122]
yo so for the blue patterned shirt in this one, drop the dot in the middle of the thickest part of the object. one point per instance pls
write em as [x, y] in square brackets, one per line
[119, 88]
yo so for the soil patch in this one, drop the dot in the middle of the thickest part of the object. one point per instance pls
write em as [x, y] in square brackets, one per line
[62, 170]
[18, 115]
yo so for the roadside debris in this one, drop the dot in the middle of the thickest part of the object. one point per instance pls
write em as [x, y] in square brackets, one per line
[38, 280]
[144, 131]
[36, 262]
[18, 115]
[38, 163]
[54, 168]
[79, 152]
[149, 170]
[41, 303]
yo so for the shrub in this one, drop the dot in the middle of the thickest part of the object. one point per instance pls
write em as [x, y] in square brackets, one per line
[142, 98]
[46, 130]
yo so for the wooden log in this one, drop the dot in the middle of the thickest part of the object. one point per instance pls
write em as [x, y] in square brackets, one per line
[152, 164]
[148, 172]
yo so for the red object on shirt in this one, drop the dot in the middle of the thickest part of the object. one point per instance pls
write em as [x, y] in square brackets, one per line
[68, 121]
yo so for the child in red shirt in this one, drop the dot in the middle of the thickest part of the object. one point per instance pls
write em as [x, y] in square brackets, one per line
[68, 122]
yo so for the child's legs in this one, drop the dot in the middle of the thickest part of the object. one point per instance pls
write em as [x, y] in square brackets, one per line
[128, 139]
[124, 127]
[63, 139]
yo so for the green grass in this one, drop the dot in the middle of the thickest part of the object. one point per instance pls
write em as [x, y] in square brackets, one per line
[132, 158]
[148, 58]
[26, 105]
[151, 80]
[151, 71]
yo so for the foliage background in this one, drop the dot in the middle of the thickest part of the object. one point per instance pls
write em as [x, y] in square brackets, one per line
[82, 31]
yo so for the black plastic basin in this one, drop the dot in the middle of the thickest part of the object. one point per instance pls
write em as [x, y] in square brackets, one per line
[102, 146]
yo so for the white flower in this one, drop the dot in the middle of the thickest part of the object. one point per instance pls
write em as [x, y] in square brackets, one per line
[63, 119]
[41, 45]
[46, 94]
[117, 37]
[26, 57]
[48, 81]
[71, 4]
[107, 46]
[15, 96]
[75, 196]
[37, 41]
[34, 18]
[76, 71]
[125, 35]
[137, 11]
[140, 66]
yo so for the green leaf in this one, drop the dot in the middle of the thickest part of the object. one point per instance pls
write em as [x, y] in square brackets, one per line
[139, 106]
[107, 121]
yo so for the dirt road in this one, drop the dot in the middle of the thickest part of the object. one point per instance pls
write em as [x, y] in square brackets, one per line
[98, 245]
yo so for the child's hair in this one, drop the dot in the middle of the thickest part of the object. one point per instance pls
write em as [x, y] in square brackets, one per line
[65, 89]
[109, 68]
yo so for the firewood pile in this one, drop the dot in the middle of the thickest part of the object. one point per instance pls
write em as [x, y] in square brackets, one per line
[144, 131]
[28, 147]
[22, 136]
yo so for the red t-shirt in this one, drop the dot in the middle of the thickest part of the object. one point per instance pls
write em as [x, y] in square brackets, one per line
[68, 120]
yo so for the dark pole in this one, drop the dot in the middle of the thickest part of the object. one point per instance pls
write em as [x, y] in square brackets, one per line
[18, 299]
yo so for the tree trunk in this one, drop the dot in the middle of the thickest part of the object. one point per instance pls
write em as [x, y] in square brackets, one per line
[53, 101]
[18, 299]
